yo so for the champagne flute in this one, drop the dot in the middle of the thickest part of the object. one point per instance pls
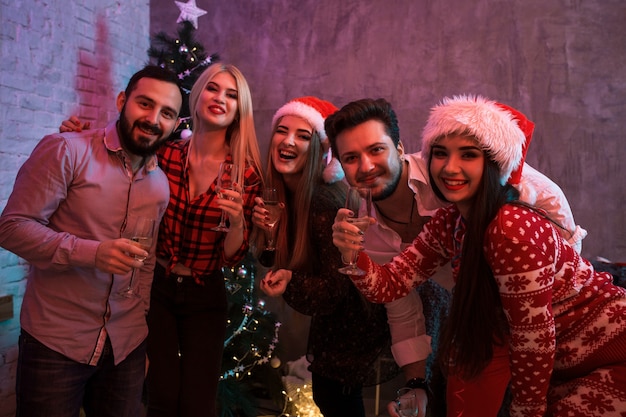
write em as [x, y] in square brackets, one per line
[272, 205]
[359, 201]
[141, 236]
[226, 178]
[406, 403]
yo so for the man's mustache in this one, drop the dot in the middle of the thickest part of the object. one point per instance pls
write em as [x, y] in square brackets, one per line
[154, 129]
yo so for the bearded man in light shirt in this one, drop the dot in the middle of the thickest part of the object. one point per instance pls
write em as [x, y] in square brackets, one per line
[83, 340]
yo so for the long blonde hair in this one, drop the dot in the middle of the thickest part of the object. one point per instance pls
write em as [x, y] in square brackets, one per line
[297, 207]
[241, 135]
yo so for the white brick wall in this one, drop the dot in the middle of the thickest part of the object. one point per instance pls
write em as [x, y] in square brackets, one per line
[58, 58]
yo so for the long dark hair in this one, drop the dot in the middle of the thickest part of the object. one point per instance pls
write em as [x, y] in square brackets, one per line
[293, 236]
[476, 321]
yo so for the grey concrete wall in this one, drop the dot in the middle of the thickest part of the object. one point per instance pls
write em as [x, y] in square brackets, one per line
[561, 62]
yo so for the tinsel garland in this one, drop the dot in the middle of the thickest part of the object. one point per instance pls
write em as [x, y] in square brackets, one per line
[241, 370]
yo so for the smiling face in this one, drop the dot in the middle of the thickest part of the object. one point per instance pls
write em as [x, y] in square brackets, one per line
[370, 159]
[148, 115]
[290, 145]
[217, 105]
[456, 166]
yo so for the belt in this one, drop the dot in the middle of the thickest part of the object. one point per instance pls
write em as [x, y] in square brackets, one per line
[178, 277]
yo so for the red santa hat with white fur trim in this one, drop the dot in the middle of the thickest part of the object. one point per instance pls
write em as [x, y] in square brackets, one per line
[494, 126]
[315, 111]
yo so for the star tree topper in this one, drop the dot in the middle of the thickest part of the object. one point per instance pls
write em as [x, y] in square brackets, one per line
[189, 11]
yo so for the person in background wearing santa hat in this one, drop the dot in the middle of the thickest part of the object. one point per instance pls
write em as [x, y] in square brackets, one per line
[528, 312]
[347, 334]
[188, 306]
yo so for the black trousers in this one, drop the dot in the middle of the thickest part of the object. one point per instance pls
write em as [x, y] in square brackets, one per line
[187, 327]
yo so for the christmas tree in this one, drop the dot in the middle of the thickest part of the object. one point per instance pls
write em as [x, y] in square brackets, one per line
[185, 56]
[249, 370]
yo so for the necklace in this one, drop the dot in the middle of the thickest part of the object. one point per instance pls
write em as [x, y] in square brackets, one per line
[403, 223]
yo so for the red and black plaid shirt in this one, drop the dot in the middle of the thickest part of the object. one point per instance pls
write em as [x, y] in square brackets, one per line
[185, 234]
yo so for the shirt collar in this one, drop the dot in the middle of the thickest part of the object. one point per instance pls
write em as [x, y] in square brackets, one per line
[418, 169]
[427, 202]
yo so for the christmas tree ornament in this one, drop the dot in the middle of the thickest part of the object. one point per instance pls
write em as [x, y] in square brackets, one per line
[185, 133]
[275, 362]
[189, 12]
[247, 310]
[231, 287]
[242, 272]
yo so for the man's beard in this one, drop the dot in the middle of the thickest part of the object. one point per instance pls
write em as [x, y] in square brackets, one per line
[389, 188]
[142, 146]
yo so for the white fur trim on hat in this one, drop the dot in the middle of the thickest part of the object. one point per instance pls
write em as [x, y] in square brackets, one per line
[307, 108]
[495, 128]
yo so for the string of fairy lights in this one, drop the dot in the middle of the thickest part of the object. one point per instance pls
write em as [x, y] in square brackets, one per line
[242, 369]
[299, 402]
[240, 280]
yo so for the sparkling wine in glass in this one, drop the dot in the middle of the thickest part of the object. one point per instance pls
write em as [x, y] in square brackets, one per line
[142, 233]
[359, 201]
[272, 205]
[226, 178]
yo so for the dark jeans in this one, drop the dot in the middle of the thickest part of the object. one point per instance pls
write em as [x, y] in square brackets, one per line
[52, 385]
[187, 324]
[335, 399]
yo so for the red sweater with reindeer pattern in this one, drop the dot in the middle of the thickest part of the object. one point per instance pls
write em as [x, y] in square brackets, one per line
[564, 318]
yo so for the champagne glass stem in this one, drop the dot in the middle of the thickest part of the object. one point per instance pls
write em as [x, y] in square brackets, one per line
[130, 283]
[222, 224]
[221, 227]
[270, 245]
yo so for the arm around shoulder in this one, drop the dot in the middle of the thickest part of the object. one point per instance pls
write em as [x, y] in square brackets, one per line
[540, 191]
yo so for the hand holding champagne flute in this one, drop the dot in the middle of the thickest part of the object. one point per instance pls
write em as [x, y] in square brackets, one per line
[141, 236]
[359, 202]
